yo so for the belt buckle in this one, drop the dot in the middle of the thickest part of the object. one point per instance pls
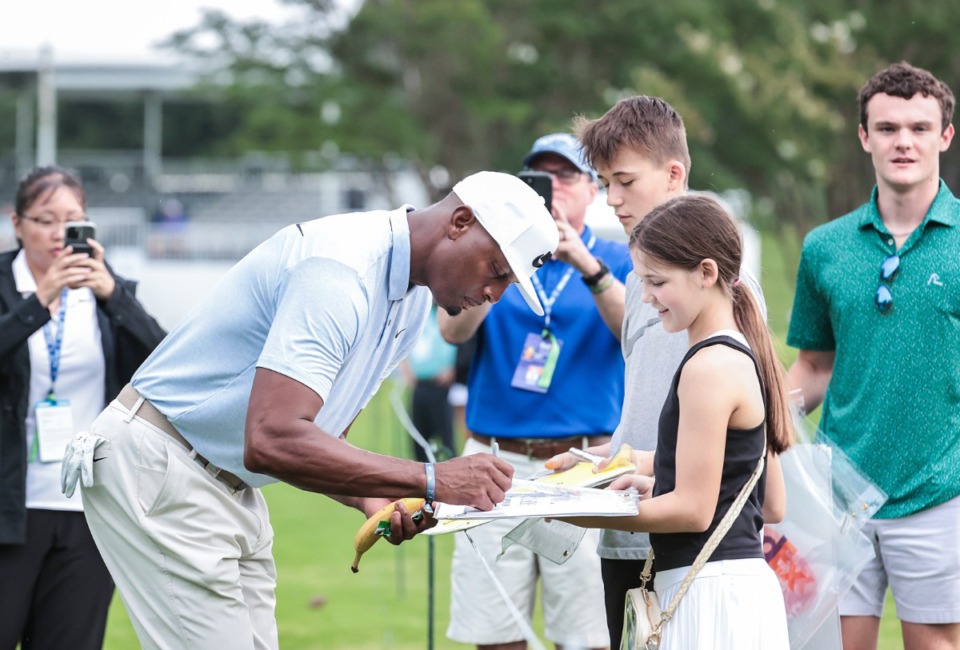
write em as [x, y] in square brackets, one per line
[528, 449]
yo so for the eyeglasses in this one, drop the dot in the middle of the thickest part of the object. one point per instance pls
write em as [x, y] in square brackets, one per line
[566, 175]
[50, 223]
[883, 297]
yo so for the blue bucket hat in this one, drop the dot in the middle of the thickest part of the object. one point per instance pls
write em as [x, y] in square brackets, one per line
[562, 144]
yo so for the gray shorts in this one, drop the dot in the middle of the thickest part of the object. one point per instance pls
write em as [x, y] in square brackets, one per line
[918, 556]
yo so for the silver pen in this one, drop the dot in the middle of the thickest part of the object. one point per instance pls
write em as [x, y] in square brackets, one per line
[586, 455]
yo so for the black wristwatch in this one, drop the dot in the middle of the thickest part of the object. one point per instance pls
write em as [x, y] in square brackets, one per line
[592, 280]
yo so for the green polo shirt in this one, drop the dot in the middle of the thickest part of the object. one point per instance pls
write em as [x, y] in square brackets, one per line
[893, 403]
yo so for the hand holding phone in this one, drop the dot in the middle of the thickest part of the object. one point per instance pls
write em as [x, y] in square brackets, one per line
[77, 234]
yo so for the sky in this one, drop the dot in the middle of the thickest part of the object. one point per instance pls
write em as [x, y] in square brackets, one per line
[111, 29]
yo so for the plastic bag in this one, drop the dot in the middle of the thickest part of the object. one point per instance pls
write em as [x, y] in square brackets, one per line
[855, 497]
[818, 550]
[554, 540]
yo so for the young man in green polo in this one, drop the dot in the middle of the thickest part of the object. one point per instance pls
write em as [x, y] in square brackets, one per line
[877, 320]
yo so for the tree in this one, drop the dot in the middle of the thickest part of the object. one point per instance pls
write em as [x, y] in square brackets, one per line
[767, 87]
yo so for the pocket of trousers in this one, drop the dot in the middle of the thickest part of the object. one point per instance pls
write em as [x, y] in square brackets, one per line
[155, 473]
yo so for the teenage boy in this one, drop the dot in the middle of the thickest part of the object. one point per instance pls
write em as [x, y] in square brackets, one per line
[876, 317]
[639, 149]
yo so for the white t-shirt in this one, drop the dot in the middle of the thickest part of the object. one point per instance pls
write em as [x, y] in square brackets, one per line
[80, 380]
[327, 303]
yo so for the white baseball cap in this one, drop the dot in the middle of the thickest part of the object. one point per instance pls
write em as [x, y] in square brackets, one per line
[515, 216]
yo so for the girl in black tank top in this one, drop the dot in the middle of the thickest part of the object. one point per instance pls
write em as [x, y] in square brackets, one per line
[742, 450]
[725, 406]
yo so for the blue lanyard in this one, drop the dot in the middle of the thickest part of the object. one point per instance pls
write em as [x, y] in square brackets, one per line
[55, 343]
[546, 302]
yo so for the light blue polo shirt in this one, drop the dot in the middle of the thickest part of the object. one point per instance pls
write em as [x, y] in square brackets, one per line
[327, 303]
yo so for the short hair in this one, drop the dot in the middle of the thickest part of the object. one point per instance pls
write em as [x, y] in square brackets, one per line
[904, 80]
[647, 124]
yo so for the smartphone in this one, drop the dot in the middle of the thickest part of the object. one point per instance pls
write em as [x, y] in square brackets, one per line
[78, 232]
[542, 183]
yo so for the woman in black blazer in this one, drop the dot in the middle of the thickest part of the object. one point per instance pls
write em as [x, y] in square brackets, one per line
[71, 335]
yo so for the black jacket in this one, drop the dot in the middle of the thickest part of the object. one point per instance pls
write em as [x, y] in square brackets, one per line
[128, 335]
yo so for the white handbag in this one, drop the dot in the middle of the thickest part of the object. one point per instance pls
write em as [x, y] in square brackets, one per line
[642, 618]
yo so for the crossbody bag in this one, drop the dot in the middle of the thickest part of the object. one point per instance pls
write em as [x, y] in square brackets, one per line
[643, 620]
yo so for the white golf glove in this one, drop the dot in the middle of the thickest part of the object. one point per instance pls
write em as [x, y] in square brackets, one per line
[78, 462]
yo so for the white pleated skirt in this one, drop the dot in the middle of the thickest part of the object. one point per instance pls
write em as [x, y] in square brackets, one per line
[731, 605]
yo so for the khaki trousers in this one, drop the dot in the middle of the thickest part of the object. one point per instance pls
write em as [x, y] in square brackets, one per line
[190, 556]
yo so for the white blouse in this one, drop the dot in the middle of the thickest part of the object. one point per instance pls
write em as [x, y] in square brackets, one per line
[80, 380]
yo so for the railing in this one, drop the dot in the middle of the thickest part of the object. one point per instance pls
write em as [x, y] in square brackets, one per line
[224, 208]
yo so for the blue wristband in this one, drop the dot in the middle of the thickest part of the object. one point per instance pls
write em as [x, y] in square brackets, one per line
[431, 482]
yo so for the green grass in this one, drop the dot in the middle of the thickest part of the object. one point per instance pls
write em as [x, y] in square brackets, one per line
[385, 604]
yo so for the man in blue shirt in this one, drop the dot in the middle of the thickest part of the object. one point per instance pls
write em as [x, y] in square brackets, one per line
[539, 385]
[262, 382]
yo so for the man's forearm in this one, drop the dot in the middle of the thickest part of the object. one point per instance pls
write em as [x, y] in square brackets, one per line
[610, 305]
[810, 374]
[312, 460]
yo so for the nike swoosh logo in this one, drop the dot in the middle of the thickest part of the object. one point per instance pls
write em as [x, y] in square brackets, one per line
[101, 458]
[397, 335]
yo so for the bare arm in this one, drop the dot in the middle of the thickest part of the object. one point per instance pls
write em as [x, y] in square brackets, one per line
[642, 459]
[459, 328]
[811, 374]
[775, 499]
[282, 440]
[574, 252]
[706, 405]
[610, 302]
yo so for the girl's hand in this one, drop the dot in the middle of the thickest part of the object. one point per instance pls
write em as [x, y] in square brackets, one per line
[642, 484]
[561, 462]
[644, 461]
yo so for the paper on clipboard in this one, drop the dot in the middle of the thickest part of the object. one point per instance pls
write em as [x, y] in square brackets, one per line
[539, 499]
[582, 474]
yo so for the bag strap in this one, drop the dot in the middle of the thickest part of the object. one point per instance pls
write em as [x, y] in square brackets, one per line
[712, 542]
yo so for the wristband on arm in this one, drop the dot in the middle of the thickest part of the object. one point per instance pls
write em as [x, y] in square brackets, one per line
[431, 486]
[592, 280]
[605, 283]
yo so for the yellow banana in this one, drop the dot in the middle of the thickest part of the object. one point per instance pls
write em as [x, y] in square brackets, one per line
[378, 526]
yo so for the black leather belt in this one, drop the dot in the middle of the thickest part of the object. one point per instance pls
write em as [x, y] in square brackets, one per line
[148, 413]
[542, 448]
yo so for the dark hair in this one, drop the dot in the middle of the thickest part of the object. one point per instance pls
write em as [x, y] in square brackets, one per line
[45, 179]
[688, 229]
[648, 124]
[904, 80]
